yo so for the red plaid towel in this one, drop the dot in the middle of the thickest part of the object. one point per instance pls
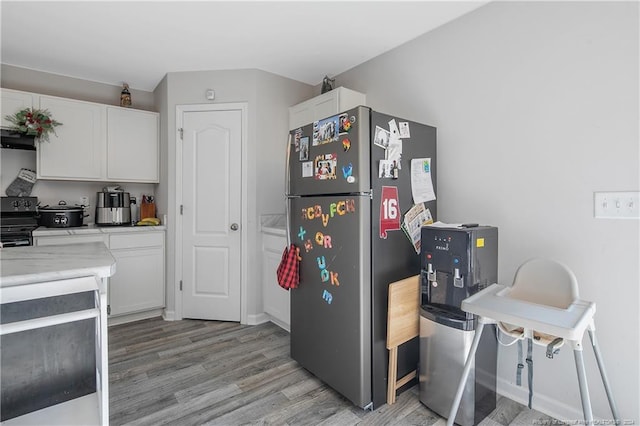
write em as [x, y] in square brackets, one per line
[288, 271]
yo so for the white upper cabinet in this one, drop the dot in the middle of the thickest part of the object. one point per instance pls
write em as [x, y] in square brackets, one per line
[325, 105]
[77, 150]
[14, 101]
[132, 145]
[95, 142]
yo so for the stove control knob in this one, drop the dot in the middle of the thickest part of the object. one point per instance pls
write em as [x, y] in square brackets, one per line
[16, 204]
[27, 203]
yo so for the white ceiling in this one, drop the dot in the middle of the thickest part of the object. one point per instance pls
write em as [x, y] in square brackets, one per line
[139, 42]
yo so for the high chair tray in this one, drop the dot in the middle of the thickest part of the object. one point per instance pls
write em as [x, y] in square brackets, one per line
[495, 304]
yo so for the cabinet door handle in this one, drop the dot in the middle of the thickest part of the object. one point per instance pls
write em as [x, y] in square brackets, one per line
[234, 227]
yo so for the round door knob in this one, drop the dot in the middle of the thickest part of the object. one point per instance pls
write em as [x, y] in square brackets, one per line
[234, 227]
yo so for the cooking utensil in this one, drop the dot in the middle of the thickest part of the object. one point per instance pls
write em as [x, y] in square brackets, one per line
[61, 216]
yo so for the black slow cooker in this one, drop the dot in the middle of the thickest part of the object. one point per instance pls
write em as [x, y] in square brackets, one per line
[60, 216]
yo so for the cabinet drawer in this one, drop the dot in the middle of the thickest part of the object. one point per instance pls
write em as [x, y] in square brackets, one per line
[70, 239]
[136, 240]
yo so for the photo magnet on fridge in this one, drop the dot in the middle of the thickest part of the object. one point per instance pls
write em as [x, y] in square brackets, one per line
[345, 124]
[304, 148]
[325, 166]
[325, 131]
[381, 137]
[347, 171]
[296, 139]
[385, 169]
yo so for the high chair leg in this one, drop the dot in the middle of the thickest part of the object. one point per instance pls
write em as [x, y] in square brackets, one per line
[605, 380]
[582, 381]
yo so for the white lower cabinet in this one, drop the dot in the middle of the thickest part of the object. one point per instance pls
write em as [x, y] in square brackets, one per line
[275, 298]
[138, 284]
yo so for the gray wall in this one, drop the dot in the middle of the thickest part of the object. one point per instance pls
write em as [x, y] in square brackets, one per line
[268, 97]
[536, 106]
[67, 87]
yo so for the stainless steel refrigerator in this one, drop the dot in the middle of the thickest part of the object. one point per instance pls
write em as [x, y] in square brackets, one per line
[350, 183]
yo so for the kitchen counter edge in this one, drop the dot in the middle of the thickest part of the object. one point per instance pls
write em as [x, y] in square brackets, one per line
[43, 231]
[274, 230]
[34, 264]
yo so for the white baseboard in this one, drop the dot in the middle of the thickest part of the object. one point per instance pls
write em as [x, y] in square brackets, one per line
[257, 319]
[264, 317]
[134, 317]
[545, 404]
[169, 315]
[279, 323]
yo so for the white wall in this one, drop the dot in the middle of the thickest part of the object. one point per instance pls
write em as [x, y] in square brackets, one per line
[536, 106]
[268, 97]
[275, 95]
[51, 192]
[162, 193]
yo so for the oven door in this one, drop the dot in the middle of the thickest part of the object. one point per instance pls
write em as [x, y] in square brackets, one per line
[19, 239]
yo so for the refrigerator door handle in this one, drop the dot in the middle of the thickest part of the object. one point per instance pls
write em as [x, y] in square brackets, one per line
[286, 190]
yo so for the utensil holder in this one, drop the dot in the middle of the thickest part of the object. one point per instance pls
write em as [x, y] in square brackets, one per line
[147, 210]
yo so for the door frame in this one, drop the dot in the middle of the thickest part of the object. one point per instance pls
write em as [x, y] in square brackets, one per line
[180, 110]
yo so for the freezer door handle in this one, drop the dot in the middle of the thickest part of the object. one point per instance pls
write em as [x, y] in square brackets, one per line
[286, 188]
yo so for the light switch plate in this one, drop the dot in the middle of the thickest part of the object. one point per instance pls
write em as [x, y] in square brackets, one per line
[616, 205]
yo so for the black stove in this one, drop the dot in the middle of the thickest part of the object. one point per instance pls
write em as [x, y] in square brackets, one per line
[18, 219]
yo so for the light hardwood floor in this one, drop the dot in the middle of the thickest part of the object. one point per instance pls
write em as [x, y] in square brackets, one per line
[207, 372]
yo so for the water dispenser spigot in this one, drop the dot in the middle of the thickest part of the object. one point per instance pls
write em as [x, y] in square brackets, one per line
[458, 281]
[431, 275]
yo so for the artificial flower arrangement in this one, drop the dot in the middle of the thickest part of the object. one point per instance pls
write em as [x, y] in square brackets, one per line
[34, 122]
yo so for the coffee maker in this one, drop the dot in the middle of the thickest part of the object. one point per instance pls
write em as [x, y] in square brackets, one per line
[456, 262]
[113, 207]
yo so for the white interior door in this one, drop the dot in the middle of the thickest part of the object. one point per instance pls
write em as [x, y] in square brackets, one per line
[211, 234]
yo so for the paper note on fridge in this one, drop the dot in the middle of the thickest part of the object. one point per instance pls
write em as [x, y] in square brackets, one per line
[393, 129]
[421, 183]
[404, 129]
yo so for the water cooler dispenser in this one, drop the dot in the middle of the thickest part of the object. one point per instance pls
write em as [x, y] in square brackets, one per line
[456, 262]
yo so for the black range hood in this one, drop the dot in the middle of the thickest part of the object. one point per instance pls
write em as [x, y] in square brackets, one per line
[17, 140]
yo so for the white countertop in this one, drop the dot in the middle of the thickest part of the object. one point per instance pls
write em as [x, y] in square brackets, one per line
[94, 229]
[33, 264]
[274, 224]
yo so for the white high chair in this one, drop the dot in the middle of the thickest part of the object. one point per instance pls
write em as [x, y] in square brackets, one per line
[542, 305]
[543, 282]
